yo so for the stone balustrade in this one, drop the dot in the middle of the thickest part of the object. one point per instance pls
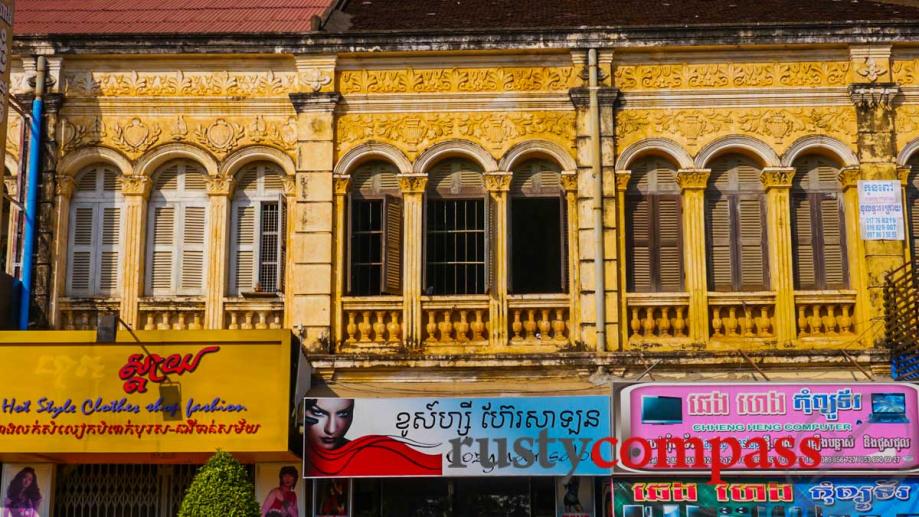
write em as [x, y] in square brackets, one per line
[542, 319]
[372, 322]
[83, 314]
[172, 315]
[825, 314]
[246, 314]
[461, 320]
[741, 315]
[657, 316]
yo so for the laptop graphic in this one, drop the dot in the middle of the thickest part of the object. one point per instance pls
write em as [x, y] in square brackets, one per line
[888, 408]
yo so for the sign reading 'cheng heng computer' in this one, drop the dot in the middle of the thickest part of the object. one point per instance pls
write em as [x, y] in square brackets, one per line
[855, 427]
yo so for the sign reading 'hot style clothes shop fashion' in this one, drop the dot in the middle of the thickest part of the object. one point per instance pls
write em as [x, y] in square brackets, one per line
[525, 436]
[855, 427]
[753, 497]
[167, 392]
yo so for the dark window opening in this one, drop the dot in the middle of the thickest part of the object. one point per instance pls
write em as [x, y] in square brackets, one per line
[366, 251]
[537, 264]
[455, 247]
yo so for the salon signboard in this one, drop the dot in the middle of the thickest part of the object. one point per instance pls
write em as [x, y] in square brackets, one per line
[504, 436]
[150, 392]
[854, 427]
[769, 497]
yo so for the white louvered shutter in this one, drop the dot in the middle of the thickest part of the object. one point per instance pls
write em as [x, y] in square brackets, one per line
[83, 226]
[192, 266]
[162, 263]
[244, 265]
[109, 270]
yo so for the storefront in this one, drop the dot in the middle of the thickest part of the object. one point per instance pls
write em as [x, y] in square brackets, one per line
[123, 426]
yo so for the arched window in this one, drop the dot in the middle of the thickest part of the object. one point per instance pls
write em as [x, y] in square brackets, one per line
[539, 229]
[818, 239]
[736, 226]
[176, 229]
[94, 268]
[912, 204]
[258, 223]
[654, 228]
[375, 229]
[458, 220]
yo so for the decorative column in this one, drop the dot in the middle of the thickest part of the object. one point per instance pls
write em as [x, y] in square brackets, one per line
[498, 185]
[693, 183]
[903, 173]
[308, 297]
[570, 184]
[12, 189]
[63, 194]
[777, 181]
[218, 194]
[340, 186]
[412, 186]
[855, 248]
[135, 190]
[622, 183]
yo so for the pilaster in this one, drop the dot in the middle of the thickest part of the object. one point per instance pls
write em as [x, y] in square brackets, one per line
[622, 183]
[135, 190]
[11, 183]
[777, 181]
[570, 184]
[855, 249]
[64, 189]
[693, 183]
[45, 257]
[340, 186]
[498, 185]
[412, 186]
[218, 193]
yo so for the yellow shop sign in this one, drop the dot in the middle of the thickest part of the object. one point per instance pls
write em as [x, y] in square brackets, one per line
[150, 392]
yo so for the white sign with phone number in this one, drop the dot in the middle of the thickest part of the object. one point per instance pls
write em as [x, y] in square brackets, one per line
[880, 208]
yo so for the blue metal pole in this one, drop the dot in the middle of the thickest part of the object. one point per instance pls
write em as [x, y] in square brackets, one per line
[31, 208]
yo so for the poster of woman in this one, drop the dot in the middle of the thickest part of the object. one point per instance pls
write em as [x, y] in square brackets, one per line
[26, 490]
[332, 498]
[279, 490]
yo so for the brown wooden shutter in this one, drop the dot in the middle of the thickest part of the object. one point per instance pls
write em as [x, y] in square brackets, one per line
[720, 265]
[245, 249]
[163, 248]
[752, 248]
[669, 249]
[639, 243]
[192, 266]
[392, 244]
[834, 260]
[803, 245]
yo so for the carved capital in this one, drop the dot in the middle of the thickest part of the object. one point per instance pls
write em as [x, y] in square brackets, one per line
[849, 176]
[12, 186]
[693, 179]
[290, 186]
[52, 102]
[622, 180]
[903, 174]
[412, 183]
[341, 184]
[580, 97]
[64, 186]
[317, 101]
[868, 97]
[777, 177]
[219, 185]
[570, 181]
[136, 185]
[497, 181]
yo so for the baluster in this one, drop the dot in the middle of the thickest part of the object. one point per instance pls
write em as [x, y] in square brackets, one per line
[530, 325]
[558, 326]
[516, 326]
[478, 326]
[262, 320]
[446, 328]
[716, 321]
[635, 323]
[276, 320]
[68, 320]
[544, 325]
[664, 323]
[247, 320]
[462, 327]
[379, 328]
[351, 328]
[84, 320]
[394, 328]
[364, 327]
[748, 321]
[845, 321]
[195, 321]
[802, 321]
[164, 321]
[431, 327]
[648, 323]
[679, 324]
[815, 320]
[149, 325]
[829, 321]
[234, 321]
[763, 322]
[180, 321]
[731, 322]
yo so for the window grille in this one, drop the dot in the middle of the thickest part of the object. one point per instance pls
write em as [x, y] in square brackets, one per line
[456, 246]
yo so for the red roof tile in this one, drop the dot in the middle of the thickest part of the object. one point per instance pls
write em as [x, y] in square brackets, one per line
[165, 16]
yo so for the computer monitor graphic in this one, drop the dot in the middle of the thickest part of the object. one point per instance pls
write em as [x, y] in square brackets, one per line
[888, 408]
[661, 410]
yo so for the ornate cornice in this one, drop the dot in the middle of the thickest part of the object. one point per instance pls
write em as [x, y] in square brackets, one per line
[580, 97]
[867, 97]
[777, 177]
[412, 183]
[849, 176]
[341, 184]
[323, 102]
[497, 181]
[136, 185]
[693, 179]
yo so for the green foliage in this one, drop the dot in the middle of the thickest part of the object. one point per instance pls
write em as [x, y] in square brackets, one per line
[221, 488]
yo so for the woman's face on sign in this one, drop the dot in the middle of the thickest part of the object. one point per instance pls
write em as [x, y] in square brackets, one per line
[333, 419]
